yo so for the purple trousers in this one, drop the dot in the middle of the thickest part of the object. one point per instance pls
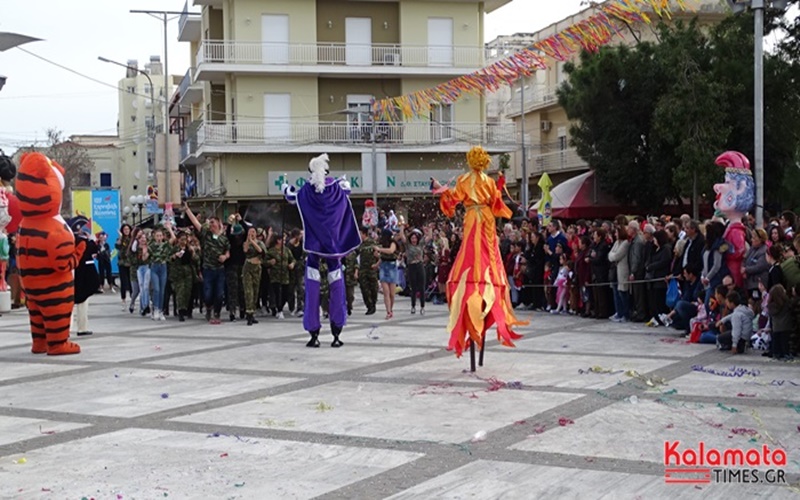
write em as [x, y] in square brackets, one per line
[337, 307]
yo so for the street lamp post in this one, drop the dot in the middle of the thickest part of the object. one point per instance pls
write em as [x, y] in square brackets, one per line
[758, 6]
[138, 201]
[152, 101]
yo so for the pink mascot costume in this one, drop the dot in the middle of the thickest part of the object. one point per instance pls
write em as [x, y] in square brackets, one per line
[735, 197]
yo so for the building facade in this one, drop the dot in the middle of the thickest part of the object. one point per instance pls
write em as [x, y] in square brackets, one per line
[277, 82]
[532, 103]
[139, 120]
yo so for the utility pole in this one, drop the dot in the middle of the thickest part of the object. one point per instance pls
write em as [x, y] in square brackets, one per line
[163, 15]
[152, 100]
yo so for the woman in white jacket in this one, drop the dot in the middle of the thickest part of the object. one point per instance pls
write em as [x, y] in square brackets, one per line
[618, 256]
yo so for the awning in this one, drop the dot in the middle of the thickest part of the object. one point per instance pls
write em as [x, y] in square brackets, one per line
[577, 198]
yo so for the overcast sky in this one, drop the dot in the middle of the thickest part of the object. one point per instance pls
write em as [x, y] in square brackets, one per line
[39, 95]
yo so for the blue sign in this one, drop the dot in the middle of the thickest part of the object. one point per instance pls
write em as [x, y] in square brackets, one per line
[106, 216]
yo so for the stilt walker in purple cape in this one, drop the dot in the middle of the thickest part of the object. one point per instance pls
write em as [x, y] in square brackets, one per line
[331, 232]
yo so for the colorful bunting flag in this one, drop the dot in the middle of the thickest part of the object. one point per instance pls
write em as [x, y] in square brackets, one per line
[590, 34]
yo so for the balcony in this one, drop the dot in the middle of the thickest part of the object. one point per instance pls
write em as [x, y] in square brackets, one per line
[190, 92]
[559, 161]
[215, 58]
[538, 97]
[189, 26]
[189, 145]
[344, 137]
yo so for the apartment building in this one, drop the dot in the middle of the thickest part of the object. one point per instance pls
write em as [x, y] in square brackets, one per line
[545, 125]
[139, 120]
[275, 82]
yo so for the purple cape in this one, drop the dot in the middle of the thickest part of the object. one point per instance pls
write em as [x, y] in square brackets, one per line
[329, 222]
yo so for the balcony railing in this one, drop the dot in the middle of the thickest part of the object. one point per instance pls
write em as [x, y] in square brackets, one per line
[277, 133]
[536, 97]
[186, 81]
[559, 161]
[309, 54]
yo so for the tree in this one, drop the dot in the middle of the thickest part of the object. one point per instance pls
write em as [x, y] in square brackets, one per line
[660, 113]
[75, 160]
[610, 97]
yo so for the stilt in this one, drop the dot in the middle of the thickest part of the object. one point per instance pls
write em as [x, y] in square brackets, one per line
[472, 356]
[483, 346]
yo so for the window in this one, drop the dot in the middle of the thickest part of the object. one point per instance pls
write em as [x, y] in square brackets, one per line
[105, 179]
[441, 122]
[131, 90]
[358, 119]
[148, 123]
[151, 168]
[133, 118]
[146, 89]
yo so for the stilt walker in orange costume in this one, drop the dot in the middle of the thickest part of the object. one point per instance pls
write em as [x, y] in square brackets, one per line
[477, 288]
[46, 254]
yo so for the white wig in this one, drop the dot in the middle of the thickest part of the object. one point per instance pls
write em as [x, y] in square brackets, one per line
[319, 170]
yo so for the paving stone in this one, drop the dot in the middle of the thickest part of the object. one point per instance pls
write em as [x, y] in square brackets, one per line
[13, 429]
[492, 479]
[775, 380]
[610, 342]
[434, 412]
[138, 463]
[10, 371]
[126, 392]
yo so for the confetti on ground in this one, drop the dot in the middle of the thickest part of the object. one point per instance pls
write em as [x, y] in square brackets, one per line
[670, 392]
[239, 485]
[733, 371]
[45, 432]
[794, 406]
[599, 369]
[520, 422]
[479, 436]
[164, 395]
[742, 395]
[275, 423]
[21, 461]
[563, 421]
[633, 400]
[323, 407]
[743, 431]
[157, 348]
[670, 426]
[649, 381]
[727, 408]
[223, 455]
[798, 428]
[162, 376]
[673, 340]
[539, 429]
[371, 334]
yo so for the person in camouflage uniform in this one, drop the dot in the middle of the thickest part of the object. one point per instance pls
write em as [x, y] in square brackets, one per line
[181, 272]
[234, 292]
[297, 289]
[122, 246]
[323, 289]
[215, 250]
[281, 264]
[368, 272]
[351, 278]
[254, 252]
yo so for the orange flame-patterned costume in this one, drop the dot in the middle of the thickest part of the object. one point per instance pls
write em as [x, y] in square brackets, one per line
[477, 288]
[46, 254]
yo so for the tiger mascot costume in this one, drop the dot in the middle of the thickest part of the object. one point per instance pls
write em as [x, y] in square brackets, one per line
[46, 254]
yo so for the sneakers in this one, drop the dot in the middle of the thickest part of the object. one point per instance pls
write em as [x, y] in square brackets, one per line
[653, 323]
[665, 319]
[615, 318]
[413, 310]
[161, 316]
[299, 313]
[280, 315]
[422, 312]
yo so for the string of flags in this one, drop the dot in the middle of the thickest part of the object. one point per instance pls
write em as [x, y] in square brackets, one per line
[590, 34]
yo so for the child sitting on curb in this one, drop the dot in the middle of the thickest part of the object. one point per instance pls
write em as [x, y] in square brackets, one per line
[741, 323]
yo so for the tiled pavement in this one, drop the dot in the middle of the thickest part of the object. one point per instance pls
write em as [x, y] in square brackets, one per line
[189, 410]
